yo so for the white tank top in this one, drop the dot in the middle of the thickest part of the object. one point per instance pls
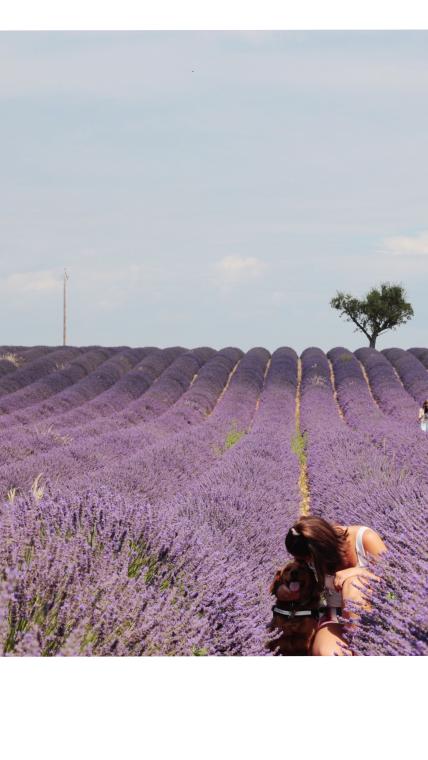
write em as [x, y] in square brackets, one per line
[334, 598]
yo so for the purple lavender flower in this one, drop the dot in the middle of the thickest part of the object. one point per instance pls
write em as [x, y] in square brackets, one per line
[145, 493]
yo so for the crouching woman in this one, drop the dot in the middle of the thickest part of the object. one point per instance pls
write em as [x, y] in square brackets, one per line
[338, 555]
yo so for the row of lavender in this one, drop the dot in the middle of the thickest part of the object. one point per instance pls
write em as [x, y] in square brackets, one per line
[368, 466]
[183, 397]
[103, 573]
[88, 422]
[376, 403]
[65, 399]
[49, 386]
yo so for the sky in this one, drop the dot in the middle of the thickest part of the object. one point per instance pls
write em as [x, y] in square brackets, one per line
[210, 188]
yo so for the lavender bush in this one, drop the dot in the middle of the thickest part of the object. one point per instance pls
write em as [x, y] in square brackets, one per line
[145, 493]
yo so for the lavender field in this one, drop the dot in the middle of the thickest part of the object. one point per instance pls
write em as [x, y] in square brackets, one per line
[145, 492]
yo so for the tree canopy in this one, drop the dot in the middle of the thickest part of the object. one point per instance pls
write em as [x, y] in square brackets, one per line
[383, 308]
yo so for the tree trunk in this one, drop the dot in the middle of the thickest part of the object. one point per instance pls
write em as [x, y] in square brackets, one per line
[372, 343]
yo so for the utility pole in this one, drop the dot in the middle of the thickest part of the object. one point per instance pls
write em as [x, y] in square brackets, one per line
[64, 332]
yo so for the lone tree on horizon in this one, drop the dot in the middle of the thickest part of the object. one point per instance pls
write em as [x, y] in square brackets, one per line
[383, 308]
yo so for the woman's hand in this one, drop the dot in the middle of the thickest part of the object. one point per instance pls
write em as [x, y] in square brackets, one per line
[352, 572]
[343, 575]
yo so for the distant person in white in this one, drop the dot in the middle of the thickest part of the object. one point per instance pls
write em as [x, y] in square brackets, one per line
[423, 416]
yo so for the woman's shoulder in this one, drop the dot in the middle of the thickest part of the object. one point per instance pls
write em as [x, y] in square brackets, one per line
[360, 532]
[372, 542]
[364, 530]
[367, 535]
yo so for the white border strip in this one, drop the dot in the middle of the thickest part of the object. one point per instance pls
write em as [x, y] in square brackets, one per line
[223, 14]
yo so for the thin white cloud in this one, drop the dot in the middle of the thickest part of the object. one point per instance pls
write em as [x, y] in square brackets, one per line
[112, 285]
[235, 269]
[20, 283]
[407, 245]
[106, 285]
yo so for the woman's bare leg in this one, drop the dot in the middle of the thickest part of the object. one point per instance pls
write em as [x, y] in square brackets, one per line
[328, 641]
[354, 590]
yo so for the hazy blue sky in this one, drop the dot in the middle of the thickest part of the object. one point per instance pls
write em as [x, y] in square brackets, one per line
[210, 188]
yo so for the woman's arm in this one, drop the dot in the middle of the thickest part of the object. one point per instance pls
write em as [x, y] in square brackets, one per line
[351, 572]
[374, 546]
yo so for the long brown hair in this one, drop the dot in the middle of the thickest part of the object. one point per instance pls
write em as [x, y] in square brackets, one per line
[425, 405]
[325, 544]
